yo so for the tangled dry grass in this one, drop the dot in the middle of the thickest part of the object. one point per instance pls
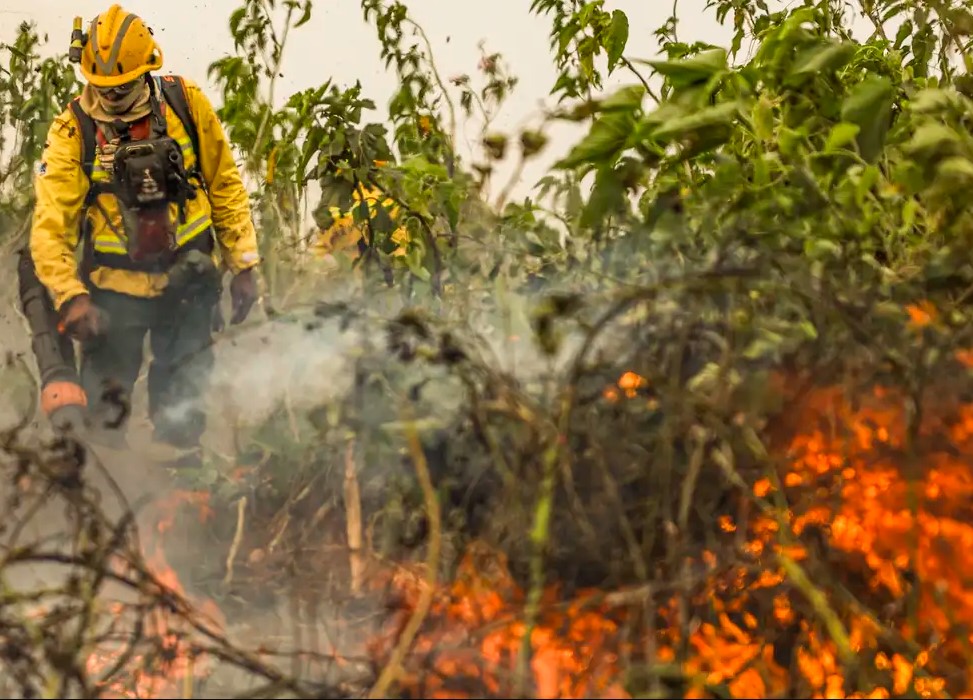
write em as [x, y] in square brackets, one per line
[660, 528]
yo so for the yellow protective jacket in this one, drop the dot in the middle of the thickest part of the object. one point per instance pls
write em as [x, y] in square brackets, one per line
[343, 235]
[61, 185]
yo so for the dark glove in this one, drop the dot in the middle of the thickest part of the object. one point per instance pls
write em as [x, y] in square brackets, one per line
[243, 294]
[81, 319]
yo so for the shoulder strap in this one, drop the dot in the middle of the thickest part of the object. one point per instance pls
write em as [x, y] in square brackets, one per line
[89, 142]
[174, 91]
[89, 136]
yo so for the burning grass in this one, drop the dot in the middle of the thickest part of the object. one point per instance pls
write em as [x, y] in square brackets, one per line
[471, 640]
[105, 615]
[833, 569]
[847, 581]
[173, 665]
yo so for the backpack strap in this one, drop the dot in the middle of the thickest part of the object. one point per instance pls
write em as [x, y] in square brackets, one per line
[89, 143]
[89, 136]
[174, 91]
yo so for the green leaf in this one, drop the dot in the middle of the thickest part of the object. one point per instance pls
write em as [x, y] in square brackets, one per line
[586, 57]
[818, 248]
[628, 97]
[208, 476]
[691, 71]
[909, 211]
[808, 329]
[304, 17]
[766, 344]
[236, 18]
[617, 38]
[869, 106]
[964, 84]
[841, 135]
[823, 58]
[662, 114]
[905, 31]
[384, 243]
[931, 100]
[607, 136]
[722, 114]
[334, 193]
[931, 140]
[706, 379]
[413, 259]
[763, 118]
[607, 198]
[956, 168]
[960, 21]
[790, 141]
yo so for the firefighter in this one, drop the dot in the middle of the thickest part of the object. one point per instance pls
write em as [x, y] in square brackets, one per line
[344, 237]
[140, 211]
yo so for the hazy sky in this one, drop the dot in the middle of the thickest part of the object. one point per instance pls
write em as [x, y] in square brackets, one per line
[338, 44]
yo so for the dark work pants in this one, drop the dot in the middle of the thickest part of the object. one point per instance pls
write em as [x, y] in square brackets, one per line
[182, 359]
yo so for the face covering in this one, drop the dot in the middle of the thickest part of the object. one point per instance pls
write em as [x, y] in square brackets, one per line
[107, 105]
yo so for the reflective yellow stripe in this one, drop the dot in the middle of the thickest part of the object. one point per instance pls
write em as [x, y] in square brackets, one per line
[108, 242]
[106, 67]
[192, 229]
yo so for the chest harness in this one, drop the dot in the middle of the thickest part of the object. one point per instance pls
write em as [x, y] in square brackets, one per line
[146, 174]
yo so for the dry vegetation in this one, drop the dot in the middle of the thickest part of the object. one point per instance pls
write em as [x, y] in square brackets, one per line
[696, 421]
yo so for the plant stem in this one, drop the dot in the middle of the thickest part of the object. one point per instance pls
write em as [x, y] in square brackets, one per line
[539, 536]
[439, 82]
[392, 669]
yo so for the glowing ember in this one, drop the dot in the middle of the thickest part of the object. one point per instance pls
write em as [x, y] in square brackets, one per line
[629, 383]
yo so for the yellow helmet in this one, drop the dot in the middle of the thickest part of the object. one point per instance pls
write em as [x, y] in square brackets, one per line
[119, 49]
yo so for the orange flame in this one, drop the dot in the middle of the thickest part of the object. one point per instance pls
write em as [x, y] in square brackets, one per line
[902, 529]
[151, 677]
[475, 630]
[895, 532]
[898, 535]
